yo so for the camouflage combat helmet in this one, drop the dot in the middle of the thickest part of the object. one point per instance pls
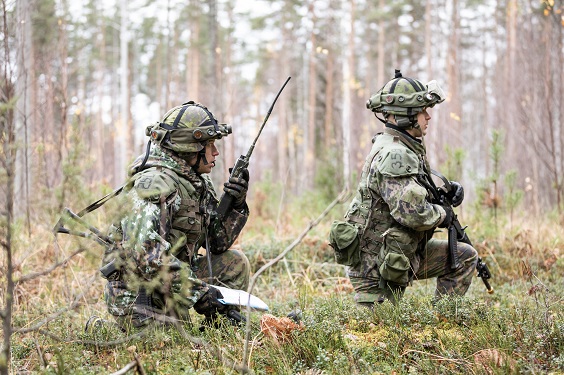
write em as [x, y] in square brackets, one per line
[187, 128]
[404, 98]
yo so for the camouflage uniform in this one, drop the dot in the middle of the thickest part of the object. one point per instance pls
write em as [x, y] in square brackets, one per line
[386, 240]
[155, 259]
[393, 211]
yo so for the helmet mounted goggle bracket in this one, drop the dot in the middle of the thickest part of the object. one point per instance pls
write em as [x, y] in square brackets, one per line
[161, 132]
[405, 107]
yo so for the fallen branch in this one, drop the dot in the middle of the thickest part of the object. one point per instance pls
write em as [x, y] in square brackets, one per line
[130, 366]
[343, 196]
[51, 317]
[35, 275]
[436, 357]
[139, 366]
[93, 342]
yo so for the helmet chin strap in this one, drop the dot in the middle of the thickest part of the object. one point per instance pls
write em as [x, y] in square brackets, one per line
[200, 158]
[406, 122]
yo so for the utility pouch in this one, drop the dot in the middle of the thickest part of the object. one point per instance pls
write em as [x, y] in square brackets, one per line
[109, 271]
[395, 268]
[343, 238]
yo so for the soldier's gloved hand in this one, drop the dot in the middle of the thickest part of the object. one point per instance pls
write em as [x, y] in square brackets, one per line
[448, 218]
[209, 304]
[456, 193]
[237, 187]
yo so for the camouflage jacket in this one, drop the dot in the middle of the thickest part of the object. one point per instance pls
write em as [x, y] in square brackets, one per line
[391, 201]
[168, 211]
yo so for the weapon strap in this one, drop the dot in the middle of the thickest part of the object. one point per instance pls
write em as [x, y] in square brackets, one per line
[100, 202]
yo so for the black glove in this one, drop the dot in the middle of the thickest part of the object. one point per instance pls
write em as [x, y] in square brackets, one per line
[456, 194]
[237, 187]
[449, 216]
[209, 304]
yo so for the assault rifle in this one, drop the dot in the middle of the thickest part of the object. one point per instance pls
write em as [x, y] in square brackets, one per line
[242, 162]
[456, 232]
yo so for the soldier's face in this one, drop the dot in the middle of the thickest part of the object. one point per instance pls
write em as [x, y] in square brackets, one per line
[211, 153]
[423, 118]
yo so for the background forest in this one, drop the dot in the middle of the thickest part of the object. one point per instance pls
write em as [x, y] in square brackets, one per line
[81, 80]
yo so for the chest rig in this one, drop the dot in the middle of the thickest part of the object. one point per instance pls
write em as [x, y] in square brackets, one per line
[189, 215]
[368, 210]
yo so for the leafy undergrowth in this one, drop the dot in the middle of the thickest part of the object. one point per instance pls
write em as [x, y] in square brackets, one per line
[518, 329]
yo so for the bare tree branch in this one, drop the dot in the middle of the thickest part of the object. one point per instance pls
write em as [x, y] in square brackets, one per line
[94, 342]
[35, 275]
[130, 366]
[51, 317]
[139, 365]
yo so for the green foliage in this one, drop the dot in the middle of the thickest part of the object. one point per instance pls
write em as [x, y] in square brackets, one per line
[45, 24]
[327, 182]
[452, 169]
[513, 196]
[73, 191]
[488, 188]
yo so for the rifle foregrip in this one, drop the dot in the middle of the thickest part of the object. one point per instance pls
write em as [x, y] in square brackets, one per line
[453, 247]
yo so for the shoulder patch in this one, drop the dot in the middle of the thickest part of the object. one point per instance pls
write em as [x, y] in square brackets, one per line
[152, 185]
[396, 161]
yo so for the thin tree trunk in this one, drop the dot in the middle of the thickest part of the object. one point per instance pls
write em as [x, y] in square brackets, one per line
[330, 136]
[7, 162]
[309, 145]
[381, 59]
[122, 140]
[193, 68]
[227, 109]
[453, 75]
[99, 136]
[348, 66]
[27, 91]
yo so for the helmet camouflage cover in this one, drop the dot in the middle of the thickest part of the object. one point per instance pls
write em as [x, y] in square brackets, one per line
[187, 128]
[404, 96]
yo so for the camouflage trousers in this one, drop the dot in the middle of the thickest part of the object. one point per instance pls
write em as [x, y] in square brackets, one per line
[432, 262]
[133, 307]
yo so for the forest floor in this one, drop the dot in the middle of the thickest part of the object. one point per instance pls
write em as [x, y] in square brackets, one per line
[517, 329]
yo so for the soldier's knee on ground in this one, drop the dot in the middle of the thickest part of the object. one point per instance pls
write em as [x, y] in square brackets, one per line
[366, 299]
[235, 270]
[467, 254]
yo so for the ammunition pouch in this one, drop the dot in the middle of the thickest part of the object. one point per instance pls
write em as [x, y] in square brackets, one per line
[394, 257]
[395, 268]
[344, 239]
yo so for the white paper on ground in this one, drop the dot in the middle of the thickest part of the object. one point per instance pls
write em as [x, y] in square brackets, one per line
[236, 297]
